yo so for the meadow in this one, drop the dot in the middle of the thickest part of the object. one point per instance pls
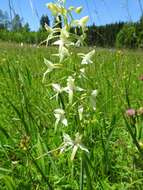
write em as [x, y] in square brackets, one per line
[112, 133]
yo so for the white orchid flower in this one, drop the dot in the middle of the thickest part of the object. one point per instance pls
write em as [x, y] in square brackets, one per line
[80, 112]
[86, 58]
[50, 67]
[52, 31]
[58, 89]
[82, 70]
[60, 117]
[93, 99]
[63, 53]
[68, 144]
[82, 22]
[80, 41]
[64, 35]
[71, 88]
[82, 73]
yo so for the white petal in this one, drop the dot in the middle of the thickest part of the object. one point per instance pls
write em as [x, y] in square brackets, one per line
[94, 93]
[79, 89]
[82, 147]
[75, 148]
[65, 122]
[70, 96]
[67, 139]
[59, 111]
[80, 112]
[56, 87]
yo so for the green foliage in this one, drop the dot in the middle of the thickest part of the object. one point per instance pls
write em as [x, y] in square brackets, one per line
[26, 134]
[131, 36]
[16, 23]
[103, 36]
[23, 36]
[127, 37]
[4, 20]
[26, 28]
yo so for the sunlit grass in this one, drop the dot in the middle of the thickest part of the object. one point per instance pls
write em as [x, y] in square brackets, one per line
[27, 122]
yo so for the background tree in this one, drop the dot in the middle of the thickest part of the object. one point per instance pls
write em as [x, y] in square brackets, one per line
[44, 19]
[4, 20]
[26, 27]
[16, 23]
[139, 30]
[104, 36]
[127, 37]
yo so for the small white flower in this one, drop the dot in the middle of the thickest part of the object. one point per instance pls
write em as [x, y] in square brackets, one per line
[68, 144]
[63, 53]
[71, 88]
[82, 70]
[80, 41]
[82, 22]
[50, 67]
[82, 73]
[93, 99]
[64, 35]
[59, 43]
[60, 117]
[58, 89]
[86, 58]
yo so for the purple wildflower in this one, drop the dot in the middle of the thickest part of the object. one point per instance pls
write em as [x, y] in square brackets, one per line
[141, 78]
[130, 112]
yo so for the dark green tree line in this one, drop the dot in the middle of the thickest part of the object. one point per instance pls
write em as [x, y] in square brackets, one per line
[126, 35]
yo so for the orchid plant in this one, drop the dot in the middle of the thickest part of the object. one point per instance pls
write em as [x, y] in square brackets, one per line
[64, 39]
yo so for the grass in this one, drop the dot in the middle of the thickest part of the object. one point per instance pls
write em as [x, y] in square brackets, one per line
[27, 122]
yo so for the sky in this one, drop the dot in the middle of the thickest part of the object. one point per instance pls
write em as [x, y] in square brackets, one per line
[100, 12]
